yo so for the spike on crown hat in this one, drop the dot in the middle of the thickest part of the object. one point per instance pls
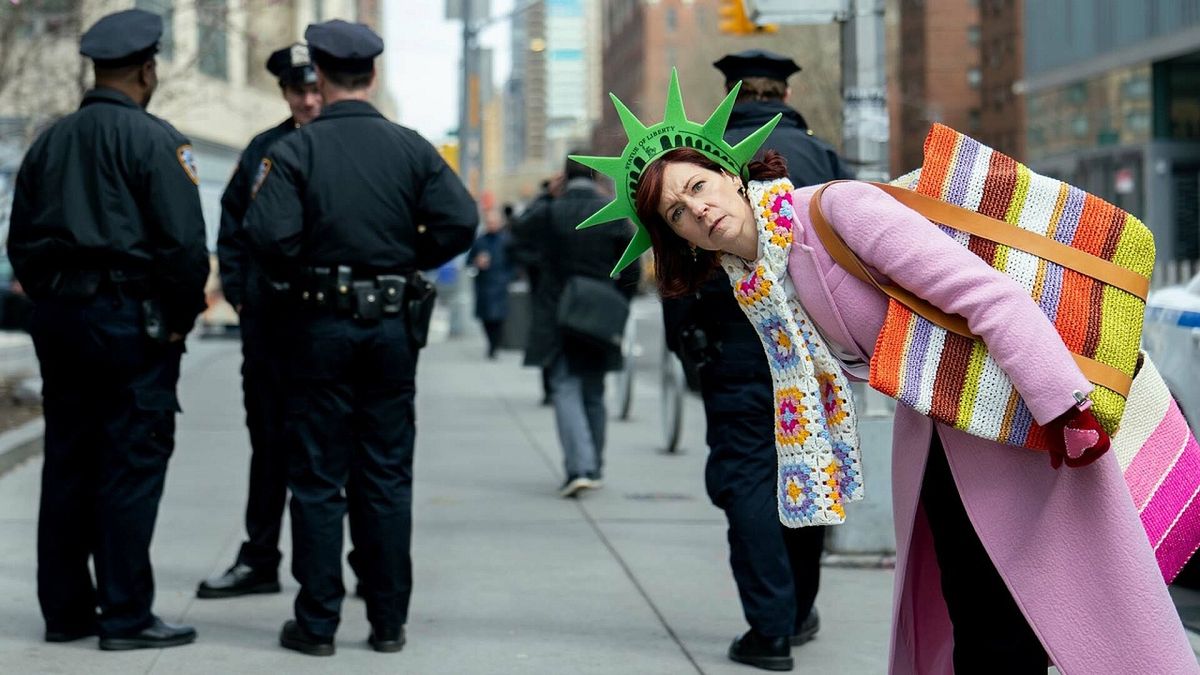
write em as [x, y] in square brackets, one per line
[292, 65]
[647, 144]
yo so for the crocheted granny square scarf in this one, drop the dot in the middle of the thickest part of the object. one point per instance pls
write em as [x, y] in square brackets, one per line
[816, 430]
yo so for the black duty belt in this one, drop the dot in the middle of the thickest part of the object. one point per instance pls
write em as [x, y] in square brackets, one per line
[86, 284]
[364, 296]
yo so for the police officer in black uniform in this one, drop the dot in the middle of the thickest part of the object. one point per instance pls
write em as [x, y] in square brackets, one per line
[777, 569]
[347, 209]
[107, 238]
[256, 569]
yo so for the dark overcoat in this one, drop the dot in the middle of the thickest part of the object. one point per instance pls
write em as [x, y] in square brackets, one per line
[546, 233]
[491, 284]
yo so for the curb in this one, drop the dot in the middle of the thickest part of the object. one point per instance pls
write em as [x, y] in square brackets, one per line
[21, 443]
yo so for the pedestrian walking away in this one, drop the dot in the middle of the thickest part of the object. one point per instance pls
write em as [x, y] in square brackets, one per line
[777, 568]
[984, 583]
[346, 210]
[107, 237]
[576, 362]
[526, 257]
[489, 257]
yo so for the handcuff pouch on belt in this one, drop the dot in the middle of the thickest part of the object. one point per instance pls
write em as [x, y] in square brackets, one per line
[373, 299]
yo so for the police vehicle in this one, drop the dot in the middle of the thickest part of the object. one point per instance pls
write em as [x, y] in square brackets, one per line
[1172, 338]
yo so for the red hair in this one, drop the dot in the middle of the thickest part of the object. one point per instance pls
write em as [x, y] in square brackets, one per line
[675, 270]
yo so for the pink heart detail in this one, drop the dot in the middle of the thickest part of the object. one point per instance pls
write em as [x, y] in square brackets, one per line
[1079, 440]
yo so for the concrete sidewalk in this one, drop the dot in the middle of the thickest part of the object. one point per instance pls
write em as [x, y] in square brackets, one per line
[509, 578]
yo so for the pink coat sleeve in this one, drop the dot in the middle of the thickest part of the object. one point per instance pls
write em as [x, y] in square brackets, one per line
[912, 252]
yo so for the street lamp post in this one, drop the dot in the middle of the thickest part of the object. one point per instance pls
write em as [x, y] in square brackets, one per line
[468, 108]
[470, 143]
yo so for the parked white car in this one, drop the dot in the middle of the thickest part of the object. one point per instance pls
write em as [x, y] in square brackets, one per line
[1172, 338]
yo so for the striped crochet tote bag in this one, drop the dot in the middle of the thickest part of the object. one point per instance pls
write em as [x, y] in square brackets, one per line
[1160, 460]
[1085, 262]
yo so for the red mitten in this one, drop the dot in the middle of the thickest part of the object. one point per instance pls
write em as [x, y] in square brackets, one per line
[1079, 439]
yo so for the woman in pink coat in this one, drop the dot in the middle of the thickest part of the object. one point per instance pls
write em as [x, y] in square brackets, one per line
[1003, 560]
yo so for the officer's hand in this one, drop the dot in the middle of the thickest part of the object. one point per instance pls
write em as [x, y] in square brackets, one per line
[483, 261]
[175, 337]
[238, 309]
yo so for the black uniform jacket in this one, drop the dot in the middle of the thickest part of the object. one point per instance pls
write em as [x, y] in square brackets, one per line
[810, 160]
[546, 233]
[231, 247]
[352, 188]
[111, 187]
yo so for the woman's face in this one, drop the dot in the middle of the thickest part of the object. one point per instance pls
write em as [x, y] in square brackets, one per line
[704, 207]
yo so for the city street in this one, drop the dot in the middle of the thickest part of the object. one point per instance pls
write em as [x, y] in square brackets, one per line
[509, 578]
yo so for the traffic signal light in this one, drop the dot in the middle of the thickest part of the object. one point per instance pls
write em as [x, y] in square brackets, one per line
[733, 20]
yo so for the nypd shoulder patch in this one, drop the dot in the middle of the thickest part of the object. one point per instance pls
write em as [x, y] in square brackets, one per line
[187, 159]
[261, 176]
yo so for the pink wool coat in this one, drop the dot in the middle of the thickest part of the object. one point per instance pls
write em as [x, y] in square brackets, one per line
[1068, 543]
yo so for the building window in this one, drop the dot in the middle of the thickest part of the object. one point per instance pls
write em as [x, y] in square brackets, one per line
[973, 35]
[1079, 126]
[672, 20]
[318, 17]
[1138, 121]
[1137, 87]
[211, 38]
[165, 9]
[974, 78]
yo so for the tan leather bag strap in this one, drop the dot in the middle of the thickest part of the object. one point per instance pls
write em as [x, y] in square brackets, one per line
[1095, 371]
[1001, 232]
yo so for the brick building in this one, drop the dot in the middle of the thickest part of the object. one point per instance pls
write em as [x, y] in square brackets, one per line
[643, 39]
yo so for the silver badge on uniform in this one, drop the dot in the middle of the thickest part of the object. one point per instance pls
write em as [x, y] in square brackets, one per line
[261, 176]
[299, 56]
[187, 159]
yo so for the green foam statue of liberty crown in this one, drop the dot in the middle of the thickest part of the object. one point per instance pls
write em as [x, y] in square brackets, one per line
[647, 144]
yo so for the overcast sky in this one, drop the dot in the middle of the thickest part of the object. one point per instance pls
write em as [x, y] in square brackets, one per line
[423, 53]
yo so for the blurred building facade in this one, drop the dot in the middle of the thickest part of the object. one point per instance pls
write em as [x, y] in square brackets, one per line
[643, 39]
[1113, 98]
[1001, 66]
[937, 74]
[957, 62]
[552, 96]
[214, 86]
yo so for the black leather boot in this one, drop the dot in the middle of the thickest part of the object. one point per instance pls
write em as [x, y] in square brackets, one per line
[155, 636]
[297, 639]
[760, 651]
[807, 629]
[389, 639]
[238, 580]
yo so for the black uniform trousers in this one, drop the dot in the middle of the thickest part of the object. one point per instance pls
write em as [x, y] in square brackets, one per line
[351, 416]
[777, 569]
[110, 403]
[991, 635]
[264, 391]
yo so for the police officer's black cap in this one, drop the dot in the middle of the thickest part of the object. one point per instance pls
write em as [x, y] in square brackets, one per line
[292, 65]
[342, 46]
[756, 63]
[123, 38]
